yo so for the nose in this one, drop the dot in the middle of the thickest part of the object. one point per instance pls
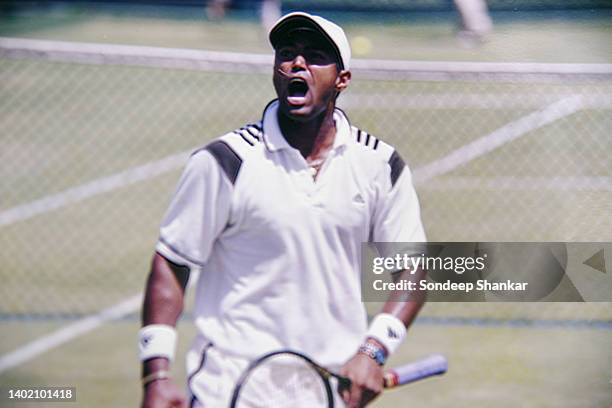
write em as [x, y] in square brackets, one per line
[298, 63]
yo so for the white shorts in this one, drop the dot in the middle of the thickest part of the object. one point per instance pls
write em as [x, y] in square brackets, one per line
[212, 376]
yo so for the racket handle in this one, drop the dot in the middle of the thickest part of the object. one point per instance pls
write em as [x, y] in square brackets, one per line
[433, 365]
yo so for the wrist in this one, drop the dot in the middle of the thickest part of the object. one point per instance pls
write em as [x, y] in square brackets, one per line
[388, 331]
[157, 340]
[154, 377]
[155, 364]
[374, 350]
[378, 344]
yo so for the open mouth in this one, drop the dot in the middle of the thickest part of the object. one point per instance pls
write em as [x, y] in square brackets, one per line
[298, 88]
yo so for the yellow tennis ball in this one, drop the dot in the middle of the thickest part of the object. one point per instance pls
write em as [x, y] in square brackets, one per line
[361, 45]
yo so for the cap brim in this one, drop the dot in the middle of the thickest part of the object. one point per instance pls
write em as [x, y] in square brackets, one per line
[296, 22]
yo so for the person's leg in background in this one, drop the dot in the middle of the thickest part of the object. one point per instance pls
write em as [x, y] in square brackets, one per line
[215, 9]
[475, 20]
[270, 13]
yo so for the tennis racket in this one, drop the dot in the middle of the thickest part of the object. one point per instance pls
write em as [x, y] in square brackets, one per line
[287, 378]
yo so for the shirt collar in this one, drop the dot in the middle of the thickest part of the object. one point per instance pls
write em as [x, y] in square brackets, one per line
[274, 139]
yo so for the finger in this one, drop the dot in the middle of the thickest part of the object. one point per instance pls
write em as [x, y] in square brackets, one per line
[346, 395]
[370, 392]
[179, 401]
[355, 397]
[375, 388]
[366, 397]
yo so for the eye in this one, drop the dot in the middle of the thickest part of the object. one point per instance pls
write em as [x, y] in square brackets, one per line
[285, 53]
[318, 57]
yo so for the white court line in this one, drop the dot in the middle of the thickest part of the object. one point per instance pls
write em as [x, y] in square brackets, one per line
[447, 163]
[96, 187]
[497, 138]
[453, 160]
[69, 332]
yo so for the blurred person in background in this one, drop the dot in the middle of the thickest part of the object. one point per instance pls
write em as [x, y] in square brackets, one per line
[270, 11]
[475, 21]
[216, 9]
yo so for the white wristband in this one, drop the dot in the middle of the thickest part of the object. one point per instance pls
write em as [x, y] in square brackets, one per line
[157, 340]
[388, 330]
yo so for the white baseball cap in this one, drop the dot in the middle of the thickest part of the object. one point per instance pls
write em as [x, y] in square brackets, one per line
[330, 31]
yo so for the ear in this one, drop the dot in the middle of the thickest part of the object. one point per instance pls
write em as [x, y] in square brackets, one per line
[342, 80]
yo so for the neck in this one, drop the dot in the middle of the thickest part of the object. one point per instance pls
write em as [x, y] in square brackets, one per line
[312, 138]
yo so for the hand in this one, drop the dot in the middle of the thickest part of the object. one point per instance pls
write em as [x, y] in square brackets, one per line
[366, 380]
[163, 394]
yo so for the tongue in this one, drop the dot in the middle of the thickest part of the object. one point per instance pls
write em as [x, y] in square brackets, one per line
[296, 100]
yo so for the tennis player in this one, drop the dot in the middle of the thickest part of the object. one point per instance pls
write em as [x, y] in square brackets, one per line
[274, 215]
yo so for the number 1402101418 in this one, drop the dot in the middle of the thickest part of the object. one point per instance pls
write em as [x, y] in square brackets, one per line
[41, 393]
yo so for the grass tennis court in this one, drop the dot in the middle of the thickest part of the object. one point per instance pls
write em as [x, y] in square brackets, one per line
[64, 125]
[502, 367]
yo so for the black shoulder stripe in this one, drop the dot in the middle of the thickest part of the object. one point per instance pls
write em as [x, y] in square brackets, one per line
[256, 126]
[227, 158]
[246, 139]
[375, 144]
[366, 139]
[252, 132]
[397, 166]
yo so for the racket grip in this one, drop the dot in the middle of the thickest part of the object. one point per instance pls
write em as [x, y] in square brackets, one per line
[433, 365]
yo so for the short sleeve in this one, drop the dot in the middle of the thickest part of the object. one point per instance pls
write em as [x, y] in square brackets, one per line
[198, 212]
[397, 216]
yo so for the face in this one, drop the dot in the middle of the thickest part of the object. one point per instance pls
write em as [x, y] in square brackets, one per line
[306, 76]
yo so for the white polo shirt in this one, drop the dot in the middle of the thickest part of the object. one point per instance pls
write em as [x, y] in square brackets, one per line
[280, 251]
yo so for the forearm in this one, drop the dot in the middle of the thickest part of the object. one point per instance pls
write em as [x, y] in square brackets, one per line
[383, 336]
[406, 305]
[386, 331]
[163, 302]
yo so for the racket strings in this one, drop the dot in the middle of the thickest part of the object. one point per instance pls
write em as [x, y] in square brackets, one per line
[283, 381]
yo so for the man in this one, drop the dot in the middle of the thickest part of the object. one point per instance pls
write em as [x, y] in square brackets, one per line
[274, 214]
